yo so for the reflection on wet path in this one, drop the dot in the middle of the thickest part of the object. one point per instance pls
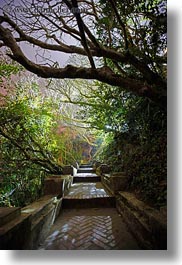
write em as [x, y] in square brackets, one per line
[89, 229]
[87, 190]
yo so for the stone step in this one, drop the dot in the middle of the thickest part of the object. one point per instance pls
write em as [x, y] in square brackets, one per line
[86, 170]
[85, 166]
[100, 202]
[78, 179]
[7, 214]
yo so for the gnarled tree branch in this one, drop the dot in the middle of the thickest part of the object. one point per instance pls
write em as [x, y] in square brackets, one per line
[103, 74]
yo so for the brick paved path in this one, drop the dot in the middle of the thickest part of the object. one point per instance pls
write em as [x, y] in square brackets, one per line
[90, 228]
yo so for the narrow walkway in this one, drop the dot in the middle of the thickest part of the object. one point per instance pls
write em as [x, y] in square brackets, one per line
[89, 220]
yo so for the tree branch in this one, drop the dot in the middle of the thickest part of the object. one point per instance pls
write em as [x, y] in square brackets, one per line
[81, 28]
[112, 2]
[46, 163]
[103, 74]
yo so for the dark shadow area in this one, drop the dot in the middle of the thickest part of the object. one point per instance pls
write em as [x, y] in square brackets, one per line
[173, 133]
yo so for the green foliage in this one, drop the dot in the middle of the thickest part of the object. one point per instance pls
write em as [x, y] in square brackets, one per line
[27, 124]
[132, 137]
[148, 171]
[35, 140]
[22, 183]
[139, 30]
[24, 132]
[7, 69]
[137, 145]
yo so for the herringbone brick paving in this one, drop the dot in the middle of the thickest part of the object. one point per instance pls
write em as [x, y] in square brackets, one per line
[90, 228]
[93, 229]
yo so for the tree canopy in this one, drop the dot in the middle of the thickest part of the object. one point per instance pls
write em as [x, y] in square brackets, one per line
[124, 42]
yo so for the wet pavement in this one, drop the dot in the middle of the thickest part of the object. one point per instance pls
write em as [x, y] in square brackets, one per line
[91, 228]
[87, 190]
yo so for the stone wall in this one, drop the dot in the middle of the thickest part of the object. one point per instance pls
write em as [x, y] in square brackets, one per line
[70, 170]
[103, 169]
[32, 225]
[43, 214]
[115, 182]
[57, 185]
[25, 228]
[148, 225]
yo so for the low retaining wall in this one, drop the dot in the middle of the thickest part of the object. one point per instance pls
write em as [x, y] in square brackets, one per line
[32, 225]
[25, 228]
[13, 235]
[103, 169]
[115, 182]
[70, 170]
[148, 225]
[43, 214]
[57, 185]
